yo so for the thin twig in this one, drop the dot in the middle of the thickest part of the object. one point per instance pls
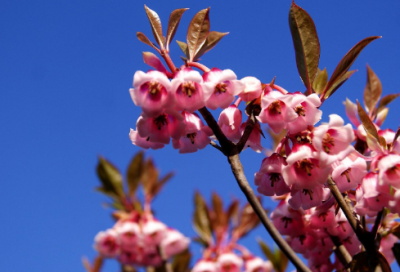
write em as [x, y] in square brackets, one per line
[341, 251]
[237, 170]
[377, 223]
[226, 145]
[213, 144]
[251, 122]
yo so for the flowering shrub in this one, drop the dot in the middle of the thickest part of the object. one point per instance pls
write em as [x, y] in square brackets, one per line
[338, 185]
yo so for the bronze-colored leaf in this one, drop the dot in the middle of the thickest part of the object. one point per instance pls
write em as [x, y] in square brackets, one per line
[276, 138]
[362, 262]
[248, 220]
[366, 122]
[127, 268]
[153, 61]
[372, 91]
[283, 260]
[346, 62]
[98, 263]
[386, 100]
[183, 46]
[155, 23]
[134, 173]
[197, 33]
[181, 262]
[212, 39]
[233, 212]
[173, 24]
[336, 85]
[269, 254]
[319, 83]
[110, 178]
[306, 44]
[149, 177]
[157, 187]
[201, 220]
[218, 209]
[86, 264]
[143, 38]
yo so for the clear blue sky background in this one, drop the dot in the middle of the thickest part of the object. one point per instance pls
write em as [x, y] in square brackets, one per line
[66, 67]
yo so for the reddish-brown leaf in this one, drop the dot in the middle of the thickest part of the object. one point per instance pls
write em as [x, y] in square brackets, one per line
[348, 59]
[201, 220]
[366, 122]
[134, 172]
[183, 46]
[372, 91]
[320, 80]
[197, 33]
[306, 44]
[155, 23]
[212, 39]
[386, 100]
[153, 61]
[218, 209]
[336, 85]
[143, 38]
[173, 24]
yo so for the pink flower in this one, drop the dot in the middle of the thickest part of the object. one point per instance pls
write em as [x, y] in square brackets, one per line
[394, 205]
[229, 121]
[304, 242]
[389, 170]
[388, 134]
[129, 234]
[252, 88]
[302, 169]
[106, 243]
[307, 110]
[254, 140]
[195, 136]
[352, 244]
[151, 256]
[174, 243]
[308, 198]
[287, 220]
[275, 112]
[154, 231]
[187, 90]
[269, 179]
[322, 218]
[151, 92]
[347, 173]
[142, 142]
[220, 88]
[256, 264]
[386, 246]
[205, 266]
[351, 112]
[229, 262]
[161, 128]
[333, 140]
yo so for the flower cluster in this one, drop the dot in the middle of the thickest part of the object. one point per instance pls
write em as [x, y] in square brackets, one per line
[140, 241]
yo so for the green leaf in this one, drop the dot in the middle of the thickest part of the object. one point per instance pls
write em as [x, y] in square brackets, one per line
[319, 83]
[110, 178]
[372, 91]
[134, 173]
[346, 62]
[306, 44]
[366, 122]
[155, 23]
[143, 38]
[201, 219]
[173, 24]
[212, 39]
[197, 33]
[336, 85]
[386, 100]
[270, 255]
[181, 262]
[183, 46]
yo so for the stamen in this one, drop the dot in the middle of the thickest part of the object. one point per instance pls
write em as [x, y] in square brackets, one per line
[191, 136]
[161, 121]
[328, 142]
[308, 192]
[287, 220]
[188, 88]
[220, 88]
[346, 173]
[274, 177]
[275, 107]
[300, 111]
[154, 87]
[305, 165]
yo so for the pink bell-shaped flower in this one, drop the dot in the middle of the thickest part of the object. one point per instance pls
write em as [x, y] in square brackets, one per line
[143, 142]
[256, 264]
[308, 198]
[389, 170]
[220, 88]
[152, 92]
[129, 234]
[254, 140]
[174, 243]
[205, 266]
[106, 243]
[252, 88]
[229, 262]
[188, 91]
[153, 232]
[229, 121]
[347, 173]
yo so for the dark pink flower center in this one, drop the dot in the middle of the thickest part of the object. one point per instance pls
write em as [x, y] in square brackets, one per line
[275, 107]
[188, 88]
[191, 136]
[328, 142]
[300, 110]
[274, 177]
[305, 165]
[220, 88]
[161, 121]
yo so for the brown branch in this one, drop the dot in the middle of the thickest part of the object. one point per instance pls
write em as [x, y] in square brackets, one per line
[251, 122]
[226, 145]
[341, 251]
[237, 170]
[377, 223]
[216, 146]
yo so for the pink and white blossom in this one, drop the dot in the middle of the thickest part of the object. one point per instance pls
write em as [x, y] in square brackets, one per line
[254, 140]
[173, 243]
[348, 174]
[256, 264]
[229, 121]
[106, 243]
[153, 232]
[205, 266]
[229, 262]
[389, 170]
[143, 142]
[220, 88]
[187, 90]
[152, 92]
[308, 198]
[252, 88]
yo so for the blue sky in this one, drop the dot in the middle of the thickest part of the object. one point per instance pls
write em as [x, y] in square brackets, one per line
[66, 67]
